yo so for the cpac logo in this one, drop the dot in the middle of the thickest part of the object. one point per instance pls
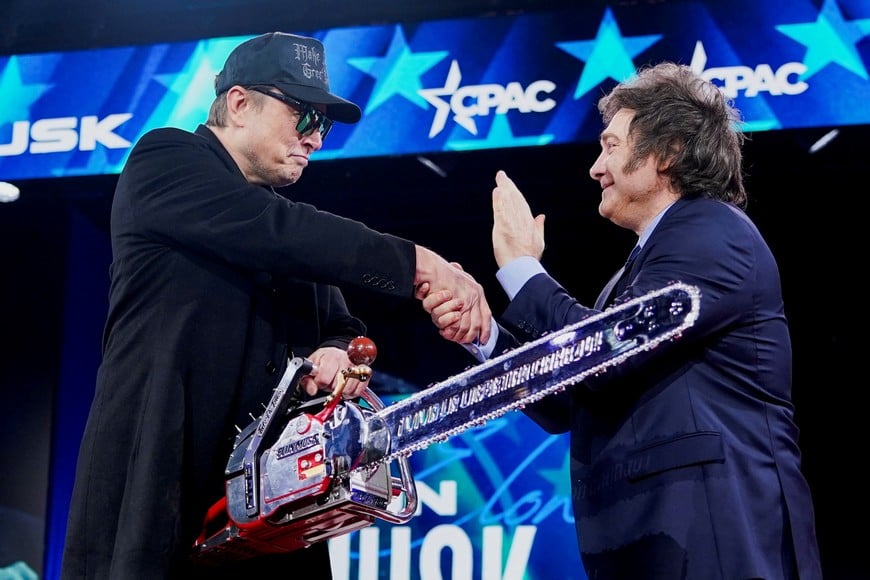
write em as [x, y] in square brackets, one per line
[64, 134]
[479, 100]
[733, 79]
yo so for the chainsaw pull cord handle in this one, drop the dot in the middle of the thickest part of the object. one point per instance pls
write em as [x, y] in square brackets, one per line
[362, 352]
[361, 373]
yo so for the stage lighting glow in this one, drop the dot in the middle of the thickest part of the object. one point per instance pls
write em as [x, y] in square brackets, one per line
[8, 192]
[825, 139]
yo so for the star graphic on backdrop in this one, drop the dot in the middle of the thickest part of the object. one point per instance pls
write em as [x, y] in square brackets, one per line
[559, 477]
[398, 72]
[191, 90]
[500, 135]
[96, 163]
[830, 39]
[442, 107]
[23, 94]
[608, 56]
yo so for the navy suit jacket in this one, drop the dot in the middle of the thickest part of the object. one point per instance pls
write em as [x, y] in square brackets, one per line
[684, 459]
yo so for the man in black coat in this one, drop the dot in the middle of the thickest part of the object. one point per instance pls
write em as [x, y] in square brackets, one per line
[215, 281]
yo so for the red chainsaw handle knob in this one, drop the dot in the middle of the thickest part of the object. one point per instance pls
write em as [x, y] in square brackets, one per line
[362, 350]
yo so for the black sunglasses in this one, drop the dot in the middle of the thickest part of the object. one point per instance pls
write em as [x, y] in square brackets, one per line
[310, 119]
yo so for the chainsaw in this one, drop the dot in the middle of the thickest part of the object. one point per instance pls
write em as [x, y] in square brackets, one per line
[307, 471]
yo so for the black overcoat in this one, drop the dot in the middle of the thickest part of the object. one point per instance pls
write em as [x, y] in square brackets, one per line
[215, 282]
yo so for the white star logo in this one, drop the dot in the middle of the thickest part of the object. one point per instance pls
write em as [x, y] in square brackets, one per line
[434, 97]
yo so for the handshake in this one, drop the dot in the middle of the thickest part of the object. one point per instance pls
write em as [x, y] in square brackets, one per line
[452, 297]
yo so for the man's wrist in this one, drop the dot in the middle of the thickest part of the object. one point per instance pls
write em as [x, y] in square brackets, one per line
[424, 270]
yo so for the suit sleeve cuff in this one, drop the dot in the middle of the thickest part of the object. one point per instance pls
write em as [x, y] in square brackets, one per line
[483, 352]
[513, 275]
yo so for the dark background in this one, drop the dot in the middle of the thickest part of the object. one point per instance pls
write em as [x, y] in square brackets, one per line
[808, 206]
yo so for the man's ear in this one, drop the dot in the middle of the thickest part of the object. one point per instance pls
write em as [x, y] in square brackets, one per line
[238, 103]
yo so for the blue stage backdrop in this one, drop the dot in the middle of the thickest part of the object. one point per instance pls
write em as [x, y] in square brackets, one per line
[494, 500]
[495, 504]
[449, 85]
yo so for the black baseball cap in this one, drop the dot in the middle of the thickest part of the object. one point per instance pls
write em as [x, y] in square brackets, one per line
[296, 65]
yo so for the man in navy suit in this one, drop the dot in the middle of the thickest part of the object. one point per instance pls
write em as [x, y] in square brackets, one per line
[684, 459]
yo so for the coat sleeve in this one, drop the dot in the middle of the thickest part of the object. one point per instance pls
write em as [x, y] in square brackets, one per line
[183, 189]
[550, 413]
[338, 324]
[725, 260]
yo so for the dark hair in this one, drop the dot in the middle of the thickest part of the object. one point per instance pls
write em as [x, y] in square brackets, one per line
[687, 124]
[218, 114]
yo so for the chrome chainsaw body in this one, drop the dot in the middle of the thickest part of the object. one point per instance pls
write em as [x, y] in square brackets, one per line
[292, 478]
[296, 476]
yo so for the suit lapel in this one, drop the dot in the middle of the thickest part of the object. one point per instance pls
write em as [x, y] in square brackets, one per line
[605, 295]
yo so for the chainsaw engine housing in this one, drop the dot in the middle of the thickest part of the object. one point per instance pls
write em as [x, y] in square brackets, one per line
[297, 476]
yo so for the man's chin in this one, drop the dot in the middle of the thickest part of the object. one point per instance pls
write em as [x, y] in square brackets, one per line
[285, 180]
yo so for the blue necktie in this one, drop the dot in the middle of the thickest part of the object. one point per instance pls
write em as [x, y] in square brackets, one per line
[613, 283]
